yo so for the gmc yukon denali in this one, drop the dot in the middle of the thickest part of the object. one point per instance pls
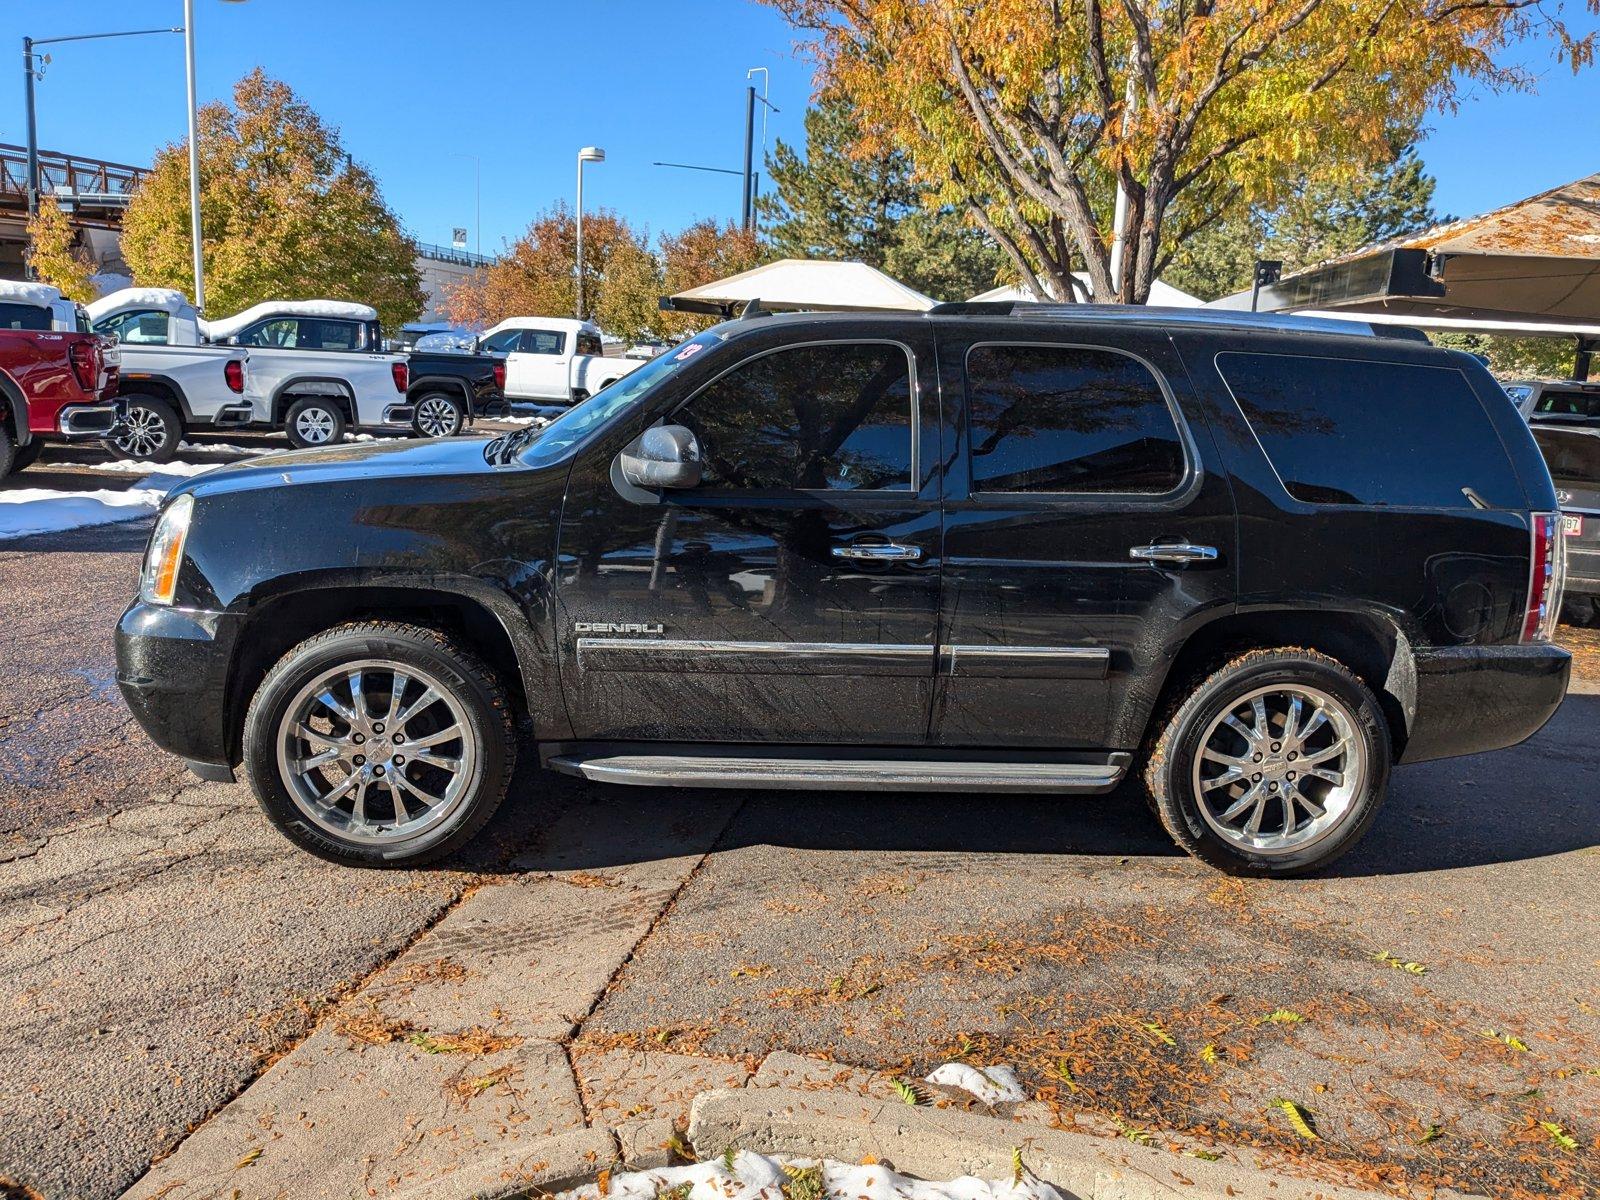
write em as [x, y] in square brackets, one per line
[1248, 563]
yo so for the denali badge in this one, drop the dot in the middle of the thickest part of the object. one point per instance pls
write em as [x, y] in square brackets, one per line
[618, 627]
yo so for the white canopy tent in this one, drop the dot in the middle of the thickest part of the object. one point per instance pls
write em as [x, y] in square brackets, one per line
[1161, 295]
[795, 284]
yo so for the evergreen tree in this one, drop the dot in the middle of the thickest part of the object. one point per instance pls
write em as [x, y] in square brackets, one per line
[838, 202]
[54, 255]
[286, 213]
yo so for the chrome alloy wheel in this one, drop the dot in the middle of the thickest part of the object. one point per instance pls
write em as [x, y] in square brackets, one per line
[438, 417]
[314, 425]
[1279, 769]
[376, 752]
[142, 432]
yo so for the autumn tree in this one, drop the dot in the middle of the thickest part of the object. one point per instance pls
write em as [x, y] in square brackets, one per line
[286, 213]
[1030, 113]
[54, 255]
[703, 253]
[840, 201]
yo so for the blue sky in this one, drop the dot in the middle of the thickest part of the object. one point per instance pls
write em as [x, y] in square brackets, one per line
[524, 83]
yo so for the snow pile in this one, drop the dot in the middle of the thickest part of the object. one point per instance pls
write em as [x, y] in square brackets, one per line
[757, 1177]
[228, 326]
[40, 295]
[992, 1085]
[177, 468]
[166, 300]
[28, 511]
[224, 448]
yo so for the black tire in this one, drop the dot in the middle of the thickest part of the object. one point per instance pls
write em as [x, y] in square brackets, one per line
[431, 408]
[8, 452]
[152, 430]
[472, 697]
[319, 413]
[27, 455]
[1170, 770]
[1578, 610]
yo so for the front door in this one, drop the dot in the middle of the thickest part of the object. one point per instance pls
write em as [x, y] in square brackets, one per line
[792, 596]
[1084, 533]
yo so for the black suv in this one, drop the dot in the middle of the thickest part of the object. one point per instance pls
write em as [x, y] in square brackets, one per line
[993, 547]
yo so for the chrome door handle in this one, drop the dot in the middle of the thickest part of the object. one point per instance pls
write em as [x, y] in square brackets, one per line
[879, 552]
[1174, 552]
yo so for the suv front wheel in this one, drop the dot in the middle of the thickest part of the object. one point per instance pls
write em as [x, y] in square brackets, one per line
[1273, 765]
[379, 744]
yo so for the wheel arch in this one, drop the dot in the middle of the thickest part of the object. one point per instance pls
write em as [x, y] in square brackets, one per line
[1371, 644]
[275, 624]
[159, 387]
[15, 417]
[286, 394]
[440, 383]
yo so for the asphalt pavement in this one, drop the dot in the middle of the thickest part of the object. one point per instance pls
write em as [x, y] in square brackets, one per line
[1433, 1003]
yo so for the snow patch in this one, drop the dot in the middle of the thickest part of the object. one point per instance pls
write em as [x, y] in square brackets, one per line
[167, 300]
[992, 1085]
[758, 1177]
[27, 511]
[225, 448]
[176, 469]
[40, 295]
[228, 326]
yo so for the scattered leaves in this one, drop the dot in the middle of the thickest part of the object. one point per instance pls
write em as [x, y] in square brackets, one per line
[907, 1092]
[1399, 964]
[1494, 1035]
[1280, 1016]
[1064, 1073]
[751, 971]
[1203, 1155]
[1016, 1166]
[474, 1041]
[728, 1157]
[805, 1183]
[681, 1148]
[602, 1182]
[256, 1153]
[1133, 1133]
[1299, 1118]
[681, 1192]
[1154, 1029]
[1559, 1135]
[1431, 1134]
[1208, 1054]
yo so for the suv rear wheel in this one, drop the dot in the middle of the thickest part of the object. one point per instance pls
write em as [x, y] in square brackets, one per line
[1275, 764]
[379, 744]
[438, 414]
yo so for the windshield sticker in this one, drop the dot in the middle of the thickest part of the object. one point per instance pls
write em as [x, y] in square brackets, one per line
[688, 351]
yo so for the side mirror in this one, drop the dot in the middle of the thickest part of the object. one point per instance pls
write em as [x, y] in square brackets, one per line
[663, 456]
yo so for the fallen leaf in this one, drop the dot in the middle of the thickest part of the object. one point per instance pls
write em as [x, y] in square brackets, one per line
[1299, 1117]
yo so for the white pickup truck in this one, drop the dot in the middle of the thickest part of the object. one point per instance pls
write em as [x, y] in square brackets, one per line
[319, 367]
[553, 360]
[171, 383]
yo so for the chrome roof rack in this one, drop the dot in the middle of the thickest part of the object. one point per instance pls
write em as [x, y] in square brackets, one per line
[1210, 318]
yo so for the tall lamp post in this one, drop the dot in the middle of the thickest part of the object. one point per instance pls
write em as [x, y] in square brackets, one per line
[586, 155]
[194, 156]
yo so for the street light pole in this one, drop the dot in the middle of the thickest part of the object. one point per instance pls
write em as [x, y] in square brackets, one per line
[33, 129]
[587, 154]
[194, 160]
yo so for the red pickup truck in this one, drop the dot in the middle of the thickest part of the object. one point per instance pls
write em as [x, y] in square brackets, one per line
[57, 379]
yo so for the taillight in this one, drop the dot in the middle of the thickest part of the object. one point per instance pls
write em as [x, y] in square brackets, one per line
[85, 358]
[1547, 578]
[233, 372]
[402, 376]
[500, 376]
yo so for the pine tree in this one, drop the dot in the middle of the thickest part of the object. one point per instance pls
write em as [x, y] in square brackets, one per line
[54, 255]
[838, 202]
[286, 213]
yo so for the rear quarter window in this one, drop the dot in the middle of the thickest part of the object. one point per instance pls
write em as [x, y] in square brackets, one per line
[24, 316]
[1347, 431]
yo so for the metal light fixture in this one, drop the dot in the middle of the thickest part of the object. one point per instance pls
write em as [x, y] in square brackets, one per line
[587, 155]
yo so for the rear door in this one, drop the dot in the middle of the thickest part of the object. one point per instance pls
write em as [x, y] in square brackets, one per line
[1085, 530]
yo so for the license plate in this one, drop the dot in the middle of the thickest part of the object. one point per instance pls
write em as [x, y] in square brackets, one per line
[1572, 524]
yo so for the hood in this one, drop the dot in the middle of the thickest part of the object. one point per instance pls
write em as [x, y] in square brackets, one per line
[351, 462]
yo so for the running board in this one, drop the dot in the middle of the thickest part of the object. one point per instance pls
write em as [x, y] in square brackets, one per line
[843, 774]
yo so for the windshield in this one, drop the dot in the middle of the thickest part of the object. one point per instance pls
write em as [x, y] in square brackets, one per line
[579, 421]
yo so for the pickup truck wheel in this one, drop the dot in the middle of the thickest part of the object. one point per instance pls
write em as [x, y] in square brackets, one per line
[9, 451]
[438, 414]
[1274, 765]
[151, 431]
[379, 744]
[313, 421]
[26, 456]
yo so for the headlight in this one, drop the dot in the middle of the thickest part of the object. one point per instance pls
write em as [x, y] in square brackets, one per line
[161, 563]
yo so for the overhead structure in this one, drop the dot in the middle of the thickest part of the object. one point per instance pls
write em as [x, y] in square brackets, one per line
[1161, 295]
[1530, 269]
[802, 284]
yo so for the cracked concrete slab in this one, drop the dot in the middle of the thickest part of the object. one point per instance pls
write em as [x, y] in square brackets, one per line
[458, 1047]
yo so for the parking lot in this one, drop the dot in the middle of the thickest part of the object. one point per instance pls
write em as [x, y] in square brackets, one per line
[1433, 1002]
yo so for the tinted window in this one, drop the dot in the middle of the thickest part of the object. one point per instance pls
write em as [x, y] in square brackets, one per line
[589, 344]
[1062, 419]
[814, 417]
[503, 342]
[1568, 404]
[1572, 456]
[281, 333]
[329, 335]
[24, 316]
[1345, 432]
[542, 341]
[148, 328]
